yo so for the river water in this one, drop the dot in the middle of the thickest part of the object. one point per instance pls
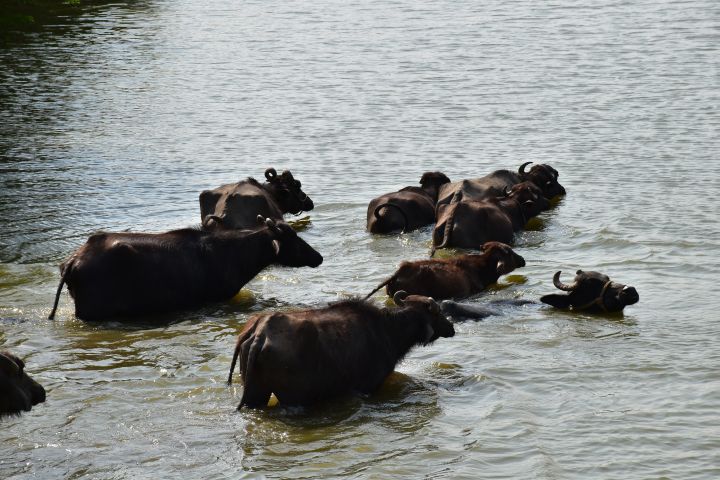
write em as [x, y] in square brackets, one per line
[117, 120]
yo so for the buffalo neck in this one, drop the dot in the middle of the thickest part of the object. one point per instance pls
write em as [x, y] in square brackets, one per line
[246, 256]
[433, 190]
[406, 328]
[514, 210]
[482, 268]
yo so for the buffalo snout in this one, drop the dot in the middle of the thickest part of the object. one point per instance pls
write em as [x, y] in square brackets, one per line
[628, 295]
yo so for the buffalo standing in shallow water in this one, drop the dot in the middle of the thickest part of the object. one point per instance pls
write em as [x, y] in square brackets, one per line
[235, 206]
[133, 274]
[312, 355]
[407, 209]
[18, 392]
[593, 292]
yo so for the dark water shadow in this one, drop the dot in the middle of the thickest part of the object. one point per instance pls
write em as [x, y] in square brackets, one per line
[399, 391]
[242, 305]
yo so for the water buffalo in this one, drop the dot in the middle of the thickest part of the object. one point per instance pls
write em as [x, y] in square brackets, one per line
[236, 205]
[465, 311]
[455, 277]
[18, 392]
[493, 185]
[466, 224]
[593, 292]
[347, 347]
[407, 209]
[133, 274]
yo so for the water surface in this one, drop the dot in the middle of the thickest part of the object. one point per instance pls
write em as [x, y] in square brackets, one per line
[118, 120]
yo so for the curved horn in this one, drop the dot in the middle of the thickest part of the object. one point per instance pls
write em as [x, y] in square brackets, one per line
[270, 223]
[507, 191]
[206, 221]
[562, 286]
[521, 170]
[399, 297]
[270, 174]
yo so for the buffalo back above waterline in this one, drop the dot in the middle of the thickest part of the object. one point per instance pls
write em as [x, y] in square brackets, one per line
[495, 184]
[134, 274]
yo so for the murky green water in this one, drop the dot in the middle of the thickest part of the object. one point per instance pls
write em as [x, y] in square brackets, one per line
[119, 120]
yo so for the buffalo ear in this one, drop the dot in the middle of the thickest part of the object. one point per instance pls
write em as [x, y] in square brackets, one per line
[557, 301]
[276, 247]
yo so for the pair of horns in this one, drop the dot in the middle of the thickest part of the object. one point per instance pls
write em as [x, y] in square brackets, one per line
[271, 174]
[564, 286]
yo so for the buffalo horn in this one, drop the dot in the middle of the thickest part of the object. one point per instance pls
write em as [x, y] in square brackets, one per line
[521, 170]
[562, 286]
[506, 191]
[399, 297]
[272, 225]
[8, 365]
[206, 221]
[270, 173]
[276, 247]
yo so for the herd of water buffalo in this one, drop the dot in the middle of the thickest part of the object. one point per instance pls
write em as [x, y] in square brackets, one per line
[317, 353]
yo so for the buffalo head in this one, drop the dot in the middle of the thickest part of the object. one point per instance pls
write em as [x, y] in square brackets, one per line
[545, 177]
[592, 291]
[433, 179]
[290, 249]
[287, 192]
[503, 256]
[439, 325]
[530, 198]
[18, 392]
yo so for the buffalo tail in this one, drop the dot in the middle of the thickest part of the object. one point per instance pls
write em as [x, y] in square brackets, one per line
[65, 270]
[397, 207]
[379, 287]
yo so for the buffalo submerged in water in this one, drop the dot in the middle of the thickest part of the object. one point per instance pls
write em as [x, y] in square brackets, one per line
[235, 205]
[593, 292]
[494, 184]
[18, 391]
[455, 277]
[407, 209]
